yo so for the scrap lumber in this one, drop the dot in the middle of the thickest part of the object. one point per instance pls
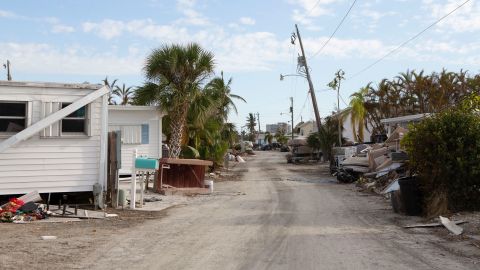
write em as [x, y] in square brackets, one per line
[451, 226]
[431, 225]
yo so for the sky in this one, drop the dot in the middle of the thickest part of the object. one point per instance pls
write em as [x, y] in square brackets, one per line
[85, 41]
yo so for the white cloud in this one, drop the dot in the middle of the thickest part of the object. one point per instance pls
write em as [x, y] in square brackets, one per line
[106, 29]
[191, 15]
[60, 28]
[42, 58]
[7, 14]
[465, 19]
[247, 21]
[308, 9]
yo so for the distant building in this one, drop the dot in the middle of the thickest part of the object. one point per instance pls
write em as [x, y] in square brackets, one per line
[306, 128]
[273, 128]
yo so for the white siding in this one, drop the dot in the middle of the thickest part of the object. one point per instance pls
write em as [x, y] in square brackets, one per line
[119, 118]
[54, 164]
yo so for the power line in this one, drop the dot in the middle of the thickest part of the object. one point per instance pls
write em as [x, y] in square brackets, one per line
[303, 107]
[407, 41]
[314, 6]
[336, 29]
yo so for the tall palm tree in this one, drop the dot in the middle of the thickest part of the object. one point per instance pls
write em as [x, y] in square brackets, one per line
[358, 113]
[125, 94]
[218, 87]
[177, 73]
[268, 137]
[112, 90]
[251, 124]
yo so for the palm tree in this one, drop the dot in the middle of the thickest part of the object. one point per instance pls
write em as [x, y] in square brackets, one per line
[328, 137]
[268, 137]
[229, 133]
[218, 87]
[177, 74]
[125, 94]
[358, 113]
[251, 123]
[112, 90]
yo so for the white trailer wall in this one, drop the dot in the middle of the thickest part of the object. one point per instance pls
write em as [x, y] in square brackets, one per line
[53, 162]
[132, 122]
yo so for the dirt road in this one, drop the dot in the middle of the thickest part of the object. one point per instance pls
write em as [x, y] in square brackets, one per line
[277, 216]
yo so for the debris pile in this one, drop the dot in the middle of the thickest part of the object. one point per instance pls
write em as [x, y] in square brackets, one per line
[376, 166]
[23, 209]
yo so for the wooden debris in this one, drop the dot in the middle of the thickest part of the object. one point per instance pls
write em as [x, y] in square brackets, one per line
[451, 226]
[431, 225]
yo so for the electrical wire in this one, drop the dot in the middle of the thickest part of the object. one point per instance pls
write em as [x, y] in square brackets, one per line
[335, 31]
[314, 6]
[407, 41]
[303, 107]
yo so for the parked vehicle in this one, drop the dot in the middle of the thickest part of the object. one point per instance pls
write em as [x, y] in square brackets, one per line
[266, 147]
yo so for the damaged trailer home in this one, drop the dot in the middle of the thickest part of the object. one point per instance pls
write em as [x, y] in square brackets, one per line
[52, 137]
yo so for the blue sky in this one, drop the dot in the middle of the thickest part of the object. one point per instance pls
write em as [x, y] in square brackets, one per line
[78, 41]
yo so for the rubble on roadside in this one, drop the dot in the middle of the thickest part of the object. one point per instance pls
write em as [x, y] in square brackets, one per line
[26, 209]
[373, 166]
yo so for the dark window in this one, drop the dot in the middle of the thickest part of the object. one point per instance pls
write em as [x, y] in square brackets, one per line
[74, 122]
[12, 116]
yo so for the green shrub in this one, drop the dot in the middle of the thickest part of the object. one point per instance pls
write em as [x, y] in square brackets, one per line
[445, 151]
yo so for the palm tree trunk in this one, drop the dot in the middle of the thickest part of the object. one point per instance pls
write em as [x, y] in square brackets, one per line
[177, 126]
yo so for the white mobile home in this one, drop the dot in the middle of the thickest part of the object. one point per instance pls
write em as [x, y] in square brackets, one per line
[52, 137]
[140, 128]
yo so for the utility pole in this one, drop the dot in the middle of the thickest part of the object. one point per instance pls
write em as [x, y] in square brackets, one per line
[303, 62]
[259, 130]
[291, 112]
[7, 66]
[258, 118]
[337, 81]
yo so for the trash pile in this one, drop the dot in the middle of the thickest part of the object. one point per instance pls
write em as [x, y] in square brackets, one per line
[373, 166]
[23, 209]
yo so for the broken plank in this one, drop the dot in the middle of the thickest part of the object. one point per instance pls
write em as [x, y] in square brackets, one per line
[431, 225]
[451, 226]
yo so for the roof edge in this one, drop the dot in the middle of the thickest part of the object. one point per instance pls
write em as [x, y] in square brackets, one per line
[51, 85]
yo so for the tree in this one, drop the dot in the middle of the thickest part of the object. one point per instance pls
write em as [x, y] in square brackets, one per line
[358, 113]
[124, 94]
[335, 85]
[280, 135]
[175, 75]
[223, 92]
[112, 90]
[268, 137]
[443, 150]
[328, 136]
[251, 124]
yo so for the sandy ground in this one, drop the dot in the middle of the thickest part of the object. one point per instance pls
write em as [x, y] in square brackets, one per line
[274, 216]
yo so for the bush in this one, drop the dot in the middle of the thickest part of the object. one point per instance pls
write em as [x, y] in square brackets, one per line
[445, 151]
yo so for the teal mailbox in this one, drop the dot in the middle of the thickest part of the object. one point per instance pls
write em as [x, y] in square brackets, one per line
[146, 163]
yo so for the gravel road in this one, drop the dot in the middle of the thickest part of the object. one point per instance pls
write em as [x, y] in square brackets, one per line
[275, 216]
[291, 217]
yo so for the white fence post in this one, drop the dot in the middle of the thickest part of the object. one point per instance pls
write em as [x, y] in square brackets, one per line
[133, 188]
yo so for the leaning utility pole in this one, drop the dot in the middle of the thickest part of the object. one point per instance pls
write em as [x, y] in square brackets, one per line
[7, 66]
[291, 112]
[310, 84]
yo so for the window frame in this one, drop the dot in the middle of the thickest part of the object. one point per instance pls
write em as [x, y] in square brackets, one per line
[85, 119]
[4, 134]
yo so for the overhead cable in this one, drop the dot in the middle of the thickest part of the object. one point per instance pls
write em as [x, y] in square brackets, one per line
[408, 40]
[335, 31]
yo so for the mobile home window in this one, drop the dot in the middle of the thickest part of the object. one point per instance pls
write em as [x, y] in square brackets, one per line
[75, 122]
[13, 116]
